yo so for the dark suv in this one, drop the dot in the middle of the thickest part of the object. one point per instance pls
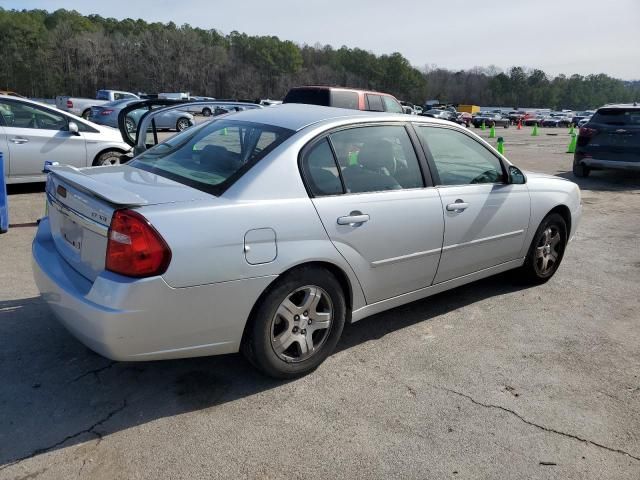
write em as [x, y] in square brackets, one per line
[344, 98]
[611, 139]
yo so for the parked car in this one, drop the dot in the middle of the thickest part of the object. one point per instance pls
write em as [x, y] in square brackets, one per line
[82, 106]
[583, 122]
[534, 119]
[490, 119]
[344, 98]
[11, 93]
[441, 114]
[31, 133]
[556, 119]
[611, 139]
[576, 117]
[107, 114]
[267, 230]
[464, 118]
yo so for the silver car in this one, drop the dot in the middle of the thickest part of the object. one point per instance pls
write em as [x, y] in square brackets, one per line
[107, 114]
[32, 133]
[267, 230]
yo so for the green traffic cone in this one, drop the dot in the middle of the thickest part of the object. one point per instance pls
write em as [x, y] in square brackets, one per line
[501, 145]
[571, 131]
[224, 132]
[492, 132]
[484, 127]
[534, 133]
[572, 144]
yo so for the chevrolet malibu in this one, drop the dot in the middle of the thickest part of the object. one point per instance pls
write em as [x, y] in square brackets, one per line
[267, 230]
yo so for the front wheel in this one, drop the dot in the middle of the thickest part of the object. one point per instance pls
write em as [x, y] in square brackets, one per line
[580, 170]
[182, 124]
[546, 250]
[107, 158]
[206, 112]
[297, 324]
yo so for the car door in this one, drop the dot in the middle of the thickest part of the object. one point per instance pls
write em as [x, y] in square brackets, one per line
[486, 218]
[35, 134]
[367, 186]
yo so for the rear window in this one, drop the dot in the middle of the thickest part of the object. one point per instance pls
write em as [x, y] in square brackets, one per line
[617, 116]
[374, 103]
[211, 158]
[344, 99]
[309, 96]
[102, 95]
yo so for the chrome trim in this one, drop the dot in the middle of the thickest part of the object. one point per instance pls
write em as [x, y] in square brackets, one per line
[483, 240]
[77, 217]
[402, 258]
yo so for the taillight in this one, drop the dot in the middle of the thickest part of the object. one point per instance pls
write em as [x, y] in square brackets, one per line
[134, 247]
[587, 132]
[106, 112]
[69, 104]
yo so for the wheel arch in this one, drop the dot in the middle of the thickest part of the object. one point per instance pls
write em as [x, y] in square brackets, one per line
[565, 213]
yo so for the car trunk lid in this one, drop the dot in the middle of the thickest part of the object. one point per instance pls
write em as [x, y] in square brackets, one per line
[81, 204]
[613, 134]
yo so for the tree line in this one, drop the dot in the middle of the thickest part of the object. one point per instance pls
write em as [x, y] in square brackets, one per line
[45, 54]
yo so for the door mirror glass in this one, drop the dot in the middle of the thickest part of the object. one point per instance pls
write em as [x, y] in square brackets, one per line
[73, 128]
[516, 176]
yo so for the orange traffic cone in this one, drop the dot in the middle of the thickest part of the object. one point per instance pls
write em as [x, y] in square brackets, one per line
[519, 124]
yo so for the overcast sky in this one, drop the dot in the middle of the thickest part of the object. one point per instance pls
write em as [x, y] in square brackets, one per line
[558, 36]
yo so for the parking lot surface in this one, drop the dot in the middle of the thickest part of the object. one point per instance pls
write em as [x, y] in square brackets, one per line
[491, 380]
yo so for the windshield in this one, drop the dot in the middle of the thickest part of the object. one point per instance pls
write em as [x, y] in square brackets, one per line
[213, 157]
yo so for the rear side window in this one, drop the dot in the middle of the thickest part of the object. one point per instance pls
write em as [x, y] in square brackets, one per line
[374, 103]
[617, 116]
[212, 157]
[391, 105]
[102, 95]
[344, 99]
[309, 96]
[320, 170]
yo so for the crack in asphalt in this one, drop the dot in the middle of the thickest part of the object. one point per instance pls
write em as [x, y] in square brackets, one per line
[541, 427]
[91, 430]
[95, 371]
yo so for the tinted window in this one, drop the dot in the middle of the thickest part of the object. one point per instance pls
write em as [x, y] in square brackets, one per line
[392, 105]
[320, 170]
[102, 95]
[459, 159]
[22, 115]
[344, 99]
[374, 103]
[617, 116]
[376, 158]
[310, 96]
[212, 157]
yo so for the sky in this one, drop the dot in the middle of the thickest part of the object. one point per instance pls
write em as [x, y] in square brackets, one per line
[557, 36]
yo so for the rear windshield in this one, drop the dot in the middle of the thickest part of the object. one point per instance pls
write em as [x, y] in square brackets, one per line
[617, 116]
[211, 158]
[309, 96]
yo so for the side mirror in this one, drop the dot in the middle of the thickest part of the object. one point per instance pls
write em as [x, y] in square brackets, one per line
[516, 177]
[73, 128]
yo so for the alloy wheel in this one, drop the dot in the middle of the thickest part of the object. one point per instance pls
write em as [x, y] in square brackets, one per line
[548, 250]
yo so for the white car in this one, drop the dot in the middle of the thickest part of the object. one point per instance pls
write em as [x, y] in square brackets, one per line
[32, 133]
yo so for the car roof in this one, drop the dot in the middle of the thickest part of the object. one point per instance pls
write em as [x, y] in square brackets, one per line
[296, 116]
[626, 106]
[348, 89]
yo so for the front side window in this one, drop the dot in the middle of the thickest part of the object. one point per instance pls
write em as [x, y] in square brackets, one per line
[22, 115]
[459, 159]
[391, 105]
[212, 157]
[376, 158]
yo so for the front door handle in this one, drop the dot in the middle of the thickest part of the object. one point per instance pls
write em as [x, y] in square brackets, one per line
[354, 218]
[457, 206]
[19, 140]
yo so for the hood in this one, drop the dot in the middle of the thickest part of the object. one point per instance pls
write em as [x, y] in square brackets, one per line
[542, 176]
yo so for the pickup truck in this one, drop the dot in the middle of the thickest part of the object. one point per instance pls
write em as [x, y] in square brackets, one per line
[82, 106]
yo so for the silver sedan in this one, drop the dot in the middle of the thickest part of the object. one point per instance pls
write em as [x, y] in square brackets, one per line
[267, 230]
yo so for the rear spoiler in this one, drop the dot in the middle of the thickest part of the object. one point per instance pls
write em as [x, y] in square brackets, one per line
[104, 191]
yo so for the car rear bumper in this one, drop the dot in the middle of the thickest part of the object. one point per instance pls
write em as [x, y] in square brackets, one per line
[143, 319]
[613, 164]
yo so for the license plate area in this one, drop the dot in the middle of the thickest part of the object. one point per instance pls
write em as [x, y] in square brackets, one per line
[72, 233]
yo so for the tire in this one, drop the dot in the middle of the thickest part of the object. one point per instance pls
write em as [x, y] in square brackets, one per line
[581, 171]
[86, 114]
[110, 157]
[206, 112]
[182, 124]
[277, 338]
[546, 250]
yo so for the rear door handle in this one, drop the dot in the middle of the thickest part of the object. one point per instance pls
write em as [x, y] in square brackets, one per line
[457, 206]
[353, 219]
[19, 140]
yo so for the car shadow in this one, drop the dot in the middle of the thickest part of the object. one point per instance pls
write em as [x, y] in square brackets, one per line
[57, 393]
[606, 180]
[21, 188]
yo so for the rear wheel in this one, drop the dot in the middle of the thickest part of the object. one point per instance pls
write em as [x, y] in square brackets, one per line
[206, 112]
[546, 250]
[297, 324]
[182, 124]
[580, 170]
[107, 158]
